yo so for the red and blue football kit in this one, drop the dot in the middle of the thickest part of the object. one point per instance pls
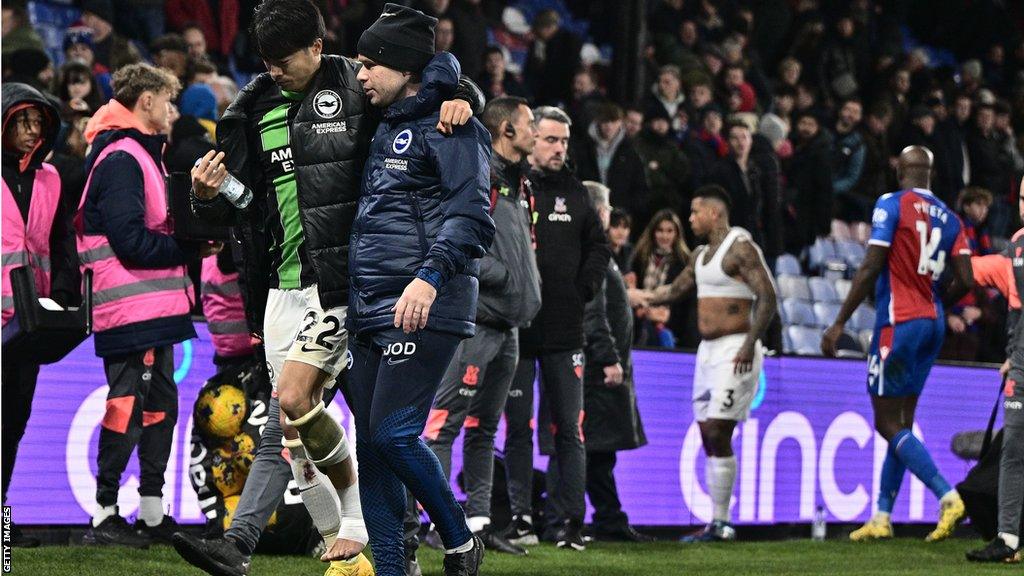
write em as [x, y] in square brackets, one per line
[921, 234]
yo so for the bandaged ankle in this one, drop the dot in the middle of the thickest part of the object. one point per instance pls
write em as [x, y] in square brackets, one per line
[352, 525]
[316, 491]
[322, 437]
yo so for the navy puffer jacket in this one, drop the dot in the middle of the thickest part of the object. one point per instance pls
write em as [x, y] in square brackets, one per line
[423, 211]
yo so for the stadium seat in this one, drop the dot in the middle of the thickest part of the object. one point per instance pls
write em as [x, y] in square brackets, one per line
[787, 343]
[788, 265]
[825, 313]
[851, 252]
[863, 318]
[804, 340]
[861, 232]
[865, 339]
[843, 288]
[799, 312]
[822, 290]
[822, 251]
[841, 230]
[794, 287]
[782, 313]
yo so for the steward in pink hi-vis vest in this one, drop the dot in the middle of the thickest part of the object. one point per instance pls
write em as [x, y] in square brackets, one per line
[35, 230]
[223, 307]
[142, 295]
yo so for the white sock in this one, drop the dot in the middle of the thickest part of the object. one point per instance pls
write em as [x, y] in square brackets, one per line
[151, 510]
[1011, 540]
[883, 516]
[464, 548]
[352, 525]
[102, 513]
[478, 523]
[317, 493]
[528, 519]
[720, 474]
[949, 496]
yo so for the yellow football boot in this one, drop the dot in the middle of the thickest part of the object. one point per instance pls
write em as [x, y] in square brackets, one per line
[360, 566]
[951, 513]
[877, 528]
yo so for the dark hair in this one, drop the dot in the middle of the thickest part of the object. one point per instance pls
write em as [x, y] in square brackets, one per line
[714, 192]
[283, 27]
[173, 42]
[973, 194]
[785, 90]
[645, 245]
[608, 112]
[620, 219]
[854, 100]
[74, 70]
[498, 110]
[729, 125]
[546, 18]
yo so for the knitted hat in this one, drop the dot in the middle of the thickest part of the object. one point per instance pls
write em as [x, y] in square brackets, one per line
[78, 34]
[402, 38]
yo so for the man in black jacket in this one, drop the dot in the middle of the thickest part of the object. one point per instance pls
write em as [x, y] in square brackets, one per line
[572, 254]
[809, 174]
[752, 181]
[606, 155]
[613, 420]
[475, 387]
[297, 137]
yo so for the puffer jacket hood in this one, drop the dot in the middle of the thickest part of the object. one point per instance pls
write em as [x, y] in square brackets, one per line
[18, 96]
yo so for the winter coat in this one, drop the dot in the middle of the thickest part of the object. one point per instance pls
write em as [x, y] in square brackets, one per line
[509, 278]
[625, 175]
[572, 253]
[423, 213]
[613, 420]
[667, 170]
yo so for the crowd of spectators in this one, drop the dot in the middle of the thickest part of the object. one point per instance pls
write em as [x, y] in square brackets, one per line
[797, 108]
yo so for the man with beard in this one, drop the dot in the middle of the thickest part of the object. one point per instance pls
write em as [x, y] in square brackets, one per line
[809, 174]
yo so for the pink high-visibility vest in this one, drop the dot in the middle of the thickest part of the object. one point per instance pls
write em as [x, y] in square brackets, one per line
[224, 311]
[123, 294]
[28, 243]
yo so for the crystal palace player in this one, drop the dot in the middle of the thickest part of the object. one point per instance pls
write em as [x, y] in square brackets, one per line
[914, 237]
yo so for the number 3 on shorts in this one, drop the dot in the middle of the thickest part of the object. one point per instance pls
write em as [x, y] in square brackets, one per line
[729, 400]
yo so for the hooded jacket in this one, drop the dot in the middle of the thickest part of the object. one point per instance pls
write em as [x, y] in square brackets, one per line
[114, 207]
[19, 174]
[423, 212]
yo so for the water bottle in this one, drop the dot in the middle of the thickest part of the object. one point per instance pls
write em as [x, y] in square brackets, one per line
[818, 528]
[233, 190]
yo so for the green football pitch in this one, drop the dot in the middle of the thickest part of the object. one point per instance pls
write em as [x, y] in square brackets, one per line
[897, 557]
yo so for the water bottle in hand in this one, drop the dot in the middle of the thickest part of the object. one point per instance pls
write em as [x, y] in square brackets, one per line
[233, 190]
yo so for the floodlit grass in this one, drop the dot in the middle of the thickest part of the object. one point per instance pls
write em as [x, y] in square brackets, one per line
[897, 557]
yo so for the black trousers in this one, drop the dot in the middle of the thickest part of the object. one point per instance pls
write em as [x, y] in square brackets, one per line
[142, 410]
[18, 388]
[604, 494]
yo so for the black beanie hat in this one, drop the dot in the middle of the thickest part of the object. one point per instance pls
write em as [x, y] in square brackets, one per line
[102, 8]
[402, 38]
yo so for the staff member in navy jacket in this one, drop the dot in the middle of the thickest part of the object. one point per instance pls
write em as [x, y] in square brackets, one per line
[422, 224]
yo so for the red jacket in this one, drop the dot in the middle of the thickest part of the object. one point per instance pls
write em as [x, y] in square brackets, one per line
[220, 32]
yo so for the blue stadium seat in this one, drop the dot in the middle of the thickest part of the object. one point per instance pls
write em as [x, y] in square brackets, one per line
[822, 251]
[799, 311]
[787, 264]
[826, 313]
[822, 290]
[851, 252]
[782, 313]
[843, 288]
[863, 318]
[794, 287]
[804, 340]
[865, 339]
